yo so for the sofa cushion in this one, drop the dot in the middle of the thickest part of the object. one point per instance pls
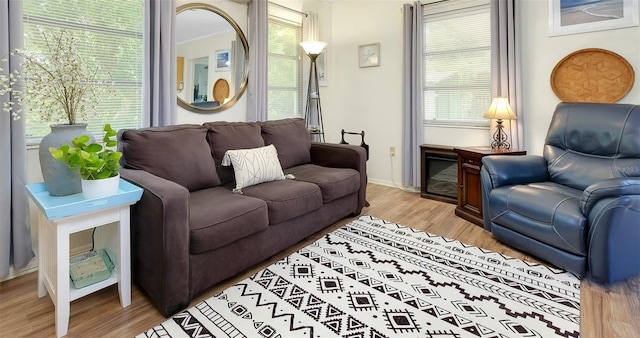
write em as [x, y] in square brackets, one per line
[291, 138]
[177, 153]
[213, 226]
[547, 212]
[253, 166]
[333, 182]
[223, 136]
[286, 199]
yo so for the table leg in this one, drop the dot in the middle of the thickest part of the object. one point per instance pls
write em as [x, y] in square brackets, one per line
[42, 252]
[62, 302]
[124, 261]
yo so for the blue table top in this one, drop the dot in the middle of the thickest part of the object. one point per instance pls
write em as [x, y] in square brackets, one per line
[56, 207]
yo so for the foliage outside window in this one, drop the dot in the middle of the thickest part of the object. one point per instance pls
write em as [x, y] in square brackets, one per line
[457, 62]
[109, 36]
[284, 82]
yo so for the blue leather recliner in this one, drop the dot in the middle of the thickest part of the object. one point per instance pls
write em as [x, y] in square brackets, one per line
[577, 206]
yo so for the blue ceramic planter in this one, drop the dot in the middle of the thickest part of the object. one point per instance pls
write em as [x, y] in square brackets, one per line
[58, 178]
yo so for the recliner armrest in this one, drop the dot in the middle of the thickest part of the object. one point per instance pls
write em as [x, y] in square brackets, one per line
[160, 240]
[612, 187]
[509, 170]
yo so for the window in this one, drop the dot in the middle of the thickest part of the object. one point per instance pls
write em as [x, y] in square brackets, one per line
[284, 82]
[111, 33]
[457, 62]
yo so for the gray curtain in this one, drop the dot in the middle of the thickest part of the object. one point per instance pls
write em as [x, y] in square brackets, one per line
[506, 70]
[313, 28]
[15, 233]
[257, 86]
[159, 103]
[412, 119]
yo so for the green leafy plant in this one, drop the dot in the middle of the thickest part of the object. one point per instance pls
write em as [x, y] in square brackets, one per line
[92, 161]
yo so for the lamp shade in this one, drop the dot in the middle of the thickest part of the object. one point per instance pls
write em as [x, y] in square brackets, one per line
[500, 109]
[313, 47]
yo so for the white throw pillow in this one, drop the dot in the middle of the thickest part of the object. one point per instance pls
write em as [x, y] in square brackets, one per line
[253, 166]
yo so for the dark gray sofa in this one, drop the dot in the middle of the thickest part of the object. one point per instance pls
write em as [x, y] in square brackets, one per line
[578, 205]
[189, 231]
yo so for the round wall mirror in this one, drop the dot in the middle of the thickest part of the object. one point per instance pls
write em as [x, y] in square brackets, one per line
[212, 59]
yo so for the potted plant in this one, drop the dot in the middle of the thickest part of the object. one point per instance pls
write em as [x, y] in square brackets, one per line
[98, 166]
[59, 87]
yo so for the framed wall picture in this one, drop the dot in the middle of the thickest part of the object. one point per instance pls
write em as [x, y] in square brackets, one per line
[581, 16]
[369, 55]
[223, 60]
[321, 63]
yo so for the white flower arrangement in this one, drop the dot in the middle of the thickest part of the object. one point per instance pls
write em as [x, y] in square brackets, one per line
[54, 82]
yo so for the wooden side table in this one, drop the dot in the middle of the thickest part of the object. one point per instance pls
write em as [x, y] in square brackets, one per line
[469, 185]
[61, 216]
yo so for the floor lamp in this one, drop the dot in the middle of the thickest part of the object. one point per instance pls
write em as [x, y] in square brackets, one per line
[500, 110]
[313, 111]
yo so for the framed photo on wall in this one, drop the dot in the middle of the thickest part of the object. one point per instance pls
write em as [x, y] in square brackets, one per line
[223, 60]
[369, 55]
[321, 64]
[581, 16]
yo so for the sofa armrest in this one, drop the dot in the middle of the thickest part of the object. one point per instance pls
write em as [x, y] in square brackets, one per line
[160, 240]
[343, 156]
[509, 170]
[612, 187]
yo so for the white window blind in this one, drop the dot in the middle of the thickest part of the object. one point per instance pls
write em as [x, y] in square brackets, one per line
[111, 36]
[457, 62]
[284, 84]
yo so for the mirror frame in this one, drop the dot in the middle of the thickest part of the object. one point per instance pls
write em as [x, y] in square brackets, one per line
[243, 39]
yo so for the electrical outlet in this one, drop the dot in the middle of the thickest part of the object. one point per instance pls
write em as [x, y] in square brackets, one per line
[392, 151]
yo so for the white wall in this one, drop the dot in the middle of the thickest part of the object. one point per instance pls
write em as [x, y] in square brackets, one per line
[367, 99]
[540, 54]
[370, 99]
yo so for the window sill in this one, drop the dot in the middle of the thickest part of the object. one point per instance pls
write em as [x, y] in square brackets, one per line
[456, 126]
[33, 144]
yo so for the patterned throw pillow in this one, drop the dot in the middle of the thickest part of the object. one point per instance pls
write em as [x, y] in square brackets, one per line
[253, 166]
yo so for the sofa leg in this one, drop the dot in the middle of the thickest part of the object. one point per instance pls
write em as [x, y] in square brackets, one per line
[356, 213]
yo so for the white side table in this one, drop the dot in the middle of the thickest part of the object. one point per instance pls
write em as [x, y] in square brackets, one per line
[64, 215]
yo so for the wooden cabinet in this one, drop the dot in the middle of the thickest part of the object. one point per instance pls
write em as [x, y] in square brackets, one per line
[180, 73]
[469, 185]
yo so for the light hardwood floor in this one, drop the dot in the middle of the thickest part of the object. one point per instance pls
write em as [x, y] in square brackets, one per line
[605, 311]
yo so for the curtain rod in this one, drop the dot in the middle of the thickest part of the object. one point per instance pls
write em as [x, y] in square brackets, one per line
[287, 8]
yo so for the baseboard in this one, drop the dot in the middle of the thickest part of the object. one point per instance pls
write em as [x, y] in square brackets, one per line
[33, 264]
[31, 267]
[393, 185]
[382, 182]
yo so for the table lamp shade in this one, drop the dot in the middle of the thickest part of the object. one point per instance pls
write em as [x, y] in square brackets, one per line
[500, 110]
[313, 47]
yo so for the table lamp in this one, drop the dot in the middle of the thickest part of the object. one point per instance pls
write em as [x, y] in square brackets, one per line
[500, 110]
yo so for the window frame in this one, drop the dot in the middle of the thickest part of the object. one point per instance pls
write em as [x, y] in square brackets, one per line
[32, 23]
[298, 88]
[441, 9]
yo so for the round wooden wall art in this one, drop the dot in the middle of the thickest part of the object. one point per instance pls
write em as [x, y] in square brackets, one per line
[221, 90]
[592, 75]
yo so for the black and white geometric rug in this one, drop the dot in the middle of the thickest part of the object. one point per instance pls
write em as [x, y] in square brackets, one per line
[373, 278]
